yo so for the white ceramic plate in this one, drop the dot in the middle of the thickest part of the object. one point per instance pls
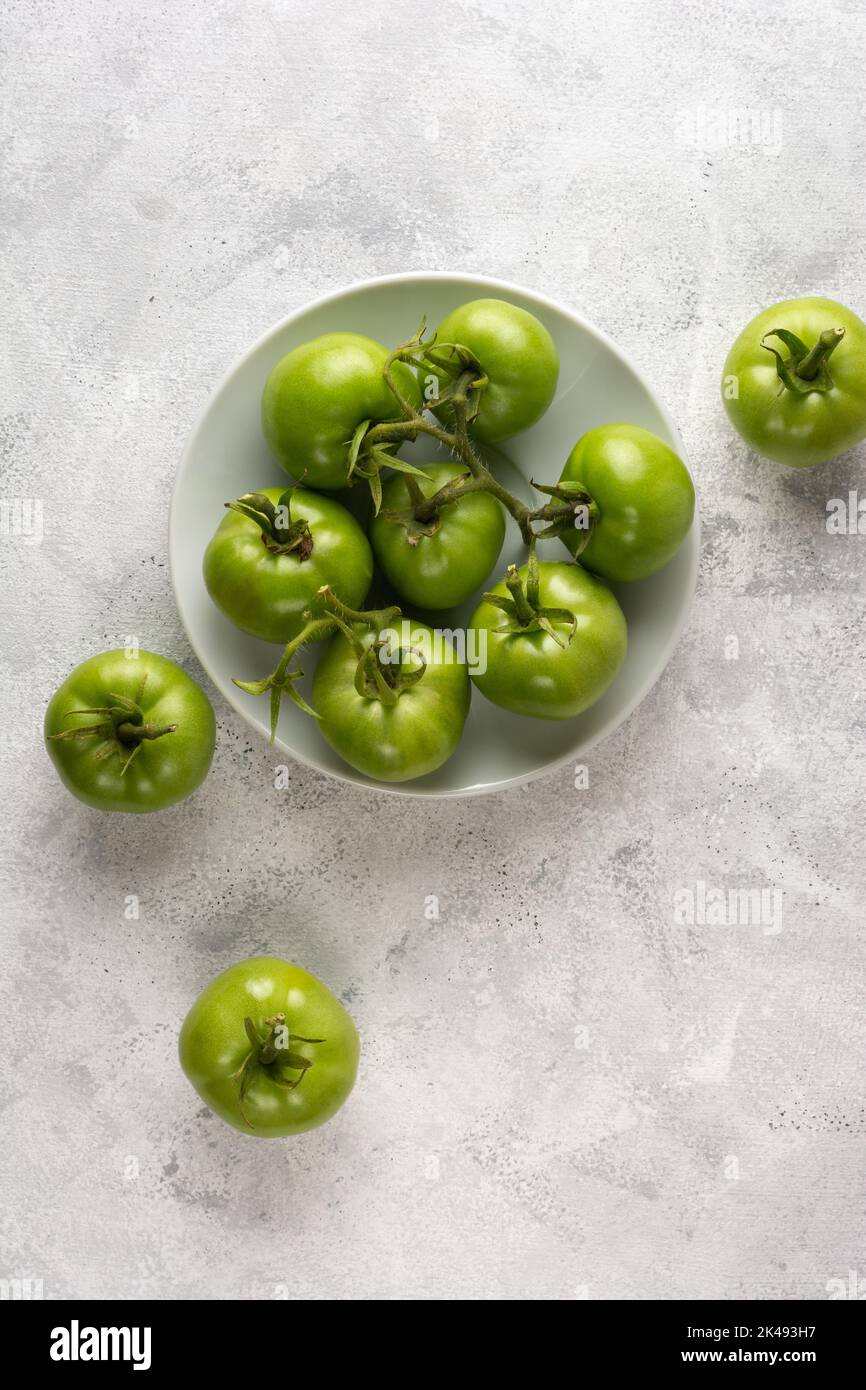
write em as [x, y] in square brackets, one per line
[227, 455]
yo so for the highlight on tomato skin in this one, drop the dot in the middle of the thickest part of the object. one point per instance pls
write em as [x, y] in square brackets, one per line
[794, 382]
[269, 1048]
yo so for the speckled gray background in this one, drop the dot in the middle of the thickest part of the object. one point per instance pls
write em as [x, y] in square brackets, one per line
[565, 1092]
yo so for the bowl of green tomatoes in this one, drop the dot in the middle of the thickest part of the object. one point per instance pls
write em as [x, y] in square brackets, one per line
[434, 534]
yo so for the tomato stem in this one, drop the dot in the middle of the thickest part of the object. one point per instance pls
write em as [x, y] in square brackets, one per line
[280, 533]
[804, 369]
[524, 610]
[385, 679]
[460, 399]
[818, 354]
[370, 617]
[282, 679]
[270, 1056]
[121, 723]
[134, 733]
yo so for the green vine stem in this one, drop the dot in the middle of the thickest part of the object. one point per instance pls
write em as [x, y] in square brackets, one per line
[572, 503]
[280, 534]
[804, 369]
[375, 679]
[523, 609]
[421, 517]
[283, 678]
[461, 395]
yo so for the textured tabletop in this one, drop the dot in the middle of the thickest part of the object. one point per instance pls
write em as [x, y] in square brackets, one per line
[571, 1085]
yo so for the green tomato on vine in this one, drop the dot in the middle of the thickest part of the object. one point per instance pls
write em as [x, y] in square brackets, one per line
[320, 394]
[517, 359]
[440, 560]
[274, 552]
[559, 646]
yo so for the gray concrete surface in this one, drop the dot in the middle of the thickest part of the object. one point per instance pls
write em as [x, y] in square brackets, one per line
[567, 1090]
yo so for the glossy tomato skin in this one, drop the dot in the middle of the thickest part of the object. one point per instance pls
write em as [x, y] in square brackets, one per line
[442, 570]
[529, 673]
[166, 769]
[316, 397]
[214, 1044]
[518, 356]
[645, 499]
[393, 743]
[266, 594]
[799, 430]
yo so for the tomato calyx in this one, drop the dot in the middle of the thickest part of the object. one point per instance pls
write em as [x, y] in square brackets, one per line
[423, 517]
[283, 678]
[465, 378]
[523, 609]
[572, 511]
[415, 527]
[380, 674]
[280, 533]
[121, 727]
[271, 1056]
[804, 369]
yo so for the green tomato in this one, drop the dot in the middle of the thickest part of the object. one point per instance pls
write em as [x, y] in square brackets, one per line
[269, 1048]
[130, 732]
[643, 501]
[794, 382]
[412, 731]
[316, 397]
[437, 564]
[529, 672]
[264, 576]
[517, 355]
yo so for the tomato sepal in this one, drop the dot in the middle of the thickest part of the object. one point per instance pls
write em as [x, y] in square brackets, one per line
[575, 505]
[268, 1053]
[122, 728]
[282, 680]
[806, 369]
[523, 609]
[280, 534]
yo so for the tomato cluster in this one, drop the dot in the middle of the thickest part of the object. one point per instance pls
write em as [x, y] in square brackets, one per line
[296, 566]
[267, 1046]
[130, 731]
